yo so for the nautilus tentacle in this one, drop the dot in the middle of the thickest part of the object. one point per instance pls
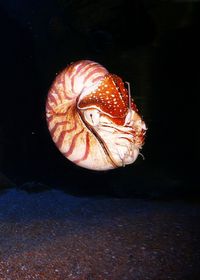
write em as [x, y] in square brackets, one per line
[92, 118]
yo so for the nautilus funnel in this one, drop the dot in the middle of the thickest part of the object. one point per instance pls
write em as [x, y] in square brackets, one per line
[92, 118]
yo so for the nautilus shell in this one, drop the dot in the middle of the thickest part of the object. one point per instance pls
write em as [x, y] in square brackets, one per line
[92, 118]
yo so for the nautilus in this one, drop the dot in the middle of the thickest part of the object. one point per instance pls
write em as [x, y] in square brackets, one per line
[92, 118]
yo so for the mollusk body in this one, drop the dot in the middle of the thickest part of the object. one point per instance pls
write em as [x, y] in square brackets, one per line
[92, 118]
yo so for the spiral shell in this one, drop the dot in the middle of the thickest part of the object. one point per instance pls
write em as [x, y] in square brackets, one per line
[92, 118]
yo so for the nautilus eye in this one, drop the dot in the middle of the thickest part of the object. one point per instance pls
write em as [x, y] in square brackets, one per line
[92, 118]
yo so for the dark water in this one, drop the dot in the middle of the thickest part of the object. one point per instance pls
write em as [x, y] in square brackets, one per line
[153, 45]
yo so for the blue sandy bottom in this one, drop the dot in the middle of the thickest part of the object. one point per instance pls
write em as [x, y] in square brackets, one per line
[52, 235]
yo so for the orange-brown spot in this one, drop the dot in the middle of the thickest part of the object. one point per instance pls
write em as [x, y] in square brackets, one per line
[111, 97]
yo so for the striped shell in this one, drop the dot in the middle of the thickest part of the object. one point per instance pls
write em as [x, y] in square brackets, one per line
[92, 118]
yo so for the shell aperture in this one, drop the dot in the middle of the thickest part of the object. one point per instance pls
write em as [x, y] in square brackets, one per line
[92, 118]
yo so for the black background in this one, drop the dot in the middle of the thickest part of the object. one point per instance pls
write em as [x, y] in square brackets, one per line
[152, 44]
